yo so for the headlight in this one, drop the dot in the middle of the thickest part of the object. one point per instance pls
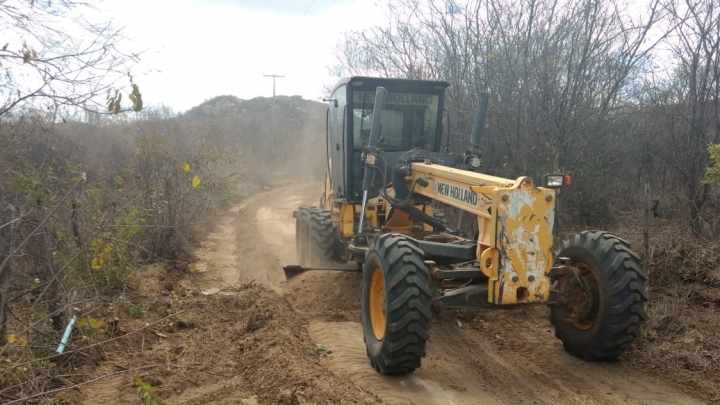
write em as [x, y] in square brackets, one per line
[553, 180]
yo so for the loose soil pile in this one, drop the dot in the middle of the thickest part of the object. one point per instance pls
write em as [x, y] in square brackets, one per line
[223, 348]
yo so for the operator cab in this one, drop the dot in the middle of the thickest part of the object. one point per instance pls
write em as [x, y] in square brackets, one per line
[411, 119]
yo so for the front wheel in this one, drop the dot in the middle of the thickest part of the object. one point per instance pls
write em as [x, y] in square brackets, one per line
[395, 304]
[603, 297]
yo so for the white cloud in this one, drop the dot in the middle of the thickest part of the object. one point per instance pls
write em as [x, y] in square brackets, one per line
[198, 50]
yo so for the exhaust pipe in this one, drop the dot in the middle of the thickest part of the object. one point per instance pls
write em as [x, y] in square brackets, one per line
[473, 159]
[369, 175]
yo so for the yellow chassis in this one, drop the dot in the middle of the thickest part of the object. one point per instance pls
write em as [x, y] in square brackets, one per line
[514, 217]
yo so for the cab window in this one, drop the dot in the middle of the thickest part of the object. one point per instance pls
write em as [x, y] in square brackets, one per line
[408, 120]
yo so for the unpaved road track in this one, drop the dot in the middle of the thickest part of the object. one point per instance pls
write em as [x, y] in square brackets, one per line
[479, 357]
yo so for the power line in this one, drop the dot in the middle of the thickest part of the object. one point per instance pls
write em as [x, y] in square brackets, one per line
[308, 7]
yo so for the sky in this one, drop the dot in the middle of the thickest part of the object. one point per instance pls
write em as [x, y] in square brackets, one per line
[196, 49]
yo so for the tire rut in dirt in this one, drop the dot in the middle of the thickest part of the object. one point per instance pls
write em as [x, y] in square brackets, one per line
[406, 304]
[620, 309]
[322, 237]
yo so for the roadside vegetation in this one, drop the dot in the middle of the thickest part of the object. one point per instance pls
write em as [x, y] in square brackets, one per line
[101, 194]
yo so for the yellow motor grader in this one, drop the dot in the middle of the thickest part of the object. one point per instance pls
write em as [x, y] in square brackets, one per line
[386, 168]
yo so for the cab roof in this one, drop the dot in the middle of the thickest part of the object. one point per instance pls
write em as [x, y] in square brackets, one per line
[398, 84]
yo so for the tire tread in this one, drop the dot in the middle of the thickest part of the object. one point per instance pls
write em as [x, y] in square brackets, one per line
[322, 237]
[408, 305]
[623, 306]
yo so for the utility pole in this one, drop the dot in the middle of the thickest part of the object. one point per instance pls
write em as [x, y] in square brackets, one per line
[274, 76]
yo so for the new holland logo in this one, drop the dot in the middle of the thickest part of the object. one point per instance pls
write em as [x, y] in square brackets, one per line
[456, 193]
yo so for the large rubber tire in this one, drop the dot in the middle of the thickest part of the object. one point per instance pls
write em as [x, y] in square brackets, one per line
[396, 324]
[302, 221]
[322, 238]
[611, 320]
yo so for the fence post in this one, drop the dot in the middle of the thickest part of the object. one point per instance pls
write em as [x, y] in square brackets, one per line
[6, 234]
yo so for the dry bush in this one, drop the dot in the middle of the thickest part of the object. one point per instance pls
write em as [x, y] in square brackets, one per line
[95, 204]
[686, 261]
[680, 340]
[107, 205]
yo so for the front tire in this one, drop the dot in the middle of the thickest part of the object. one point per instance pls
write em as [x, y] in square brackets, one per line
[605, 296]
[395, 304]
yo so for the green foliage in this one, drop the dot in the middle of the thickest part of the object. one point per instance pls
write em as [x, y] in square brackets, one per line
[148, 394]
[135, 311]
[321, 350]
[33, 183]
[91, 328]
[712, 176]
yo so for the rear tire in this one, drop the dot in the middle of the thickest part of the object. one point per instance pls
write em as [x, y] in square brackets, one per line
[395, 304]
[302, 219]
[606, 297]
[322, 238]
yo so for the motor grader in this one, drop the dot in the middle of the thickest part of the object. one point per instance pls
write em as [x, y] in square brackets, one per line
[385, 173]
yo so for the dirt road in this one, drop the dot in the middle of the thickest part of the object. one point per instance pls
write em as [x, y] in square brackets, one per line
[474, 357]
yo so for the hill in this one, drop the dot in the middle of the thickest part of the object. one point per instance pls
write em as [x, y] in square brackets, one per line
[298, 131]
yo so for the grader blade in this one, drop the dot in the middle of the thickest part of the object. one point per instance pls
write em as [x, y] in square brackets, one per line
[294, 270]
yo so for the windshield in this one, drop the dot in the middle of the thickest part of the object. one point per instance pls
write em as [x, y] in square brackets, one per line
[408, 121]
